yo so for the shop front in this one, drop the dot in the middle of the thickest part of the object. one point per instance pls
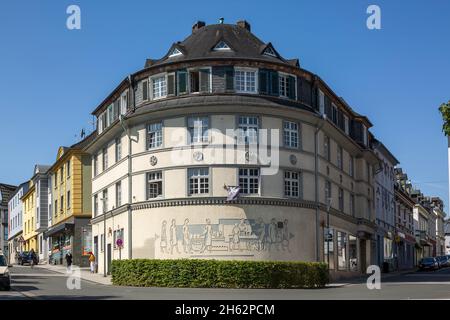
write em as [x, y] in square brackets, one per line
[404, 250]
[71, 236]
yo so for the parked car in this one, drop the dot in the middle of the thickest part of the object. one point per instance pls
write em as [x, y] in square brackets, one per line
[5, 278]
[25, 258]
[444, 261]
[428, 263]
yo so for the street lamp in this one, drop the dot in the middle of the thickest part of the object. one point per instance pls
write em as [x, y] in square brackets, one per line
[329, 201]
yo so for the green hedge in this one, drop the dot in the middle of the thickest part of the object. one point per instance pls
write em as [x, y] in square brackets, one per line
[198, 273]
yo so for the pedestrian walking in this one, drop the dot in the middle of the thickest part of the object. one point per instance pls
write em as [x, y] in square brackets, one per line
[92, 262]
[69, 261]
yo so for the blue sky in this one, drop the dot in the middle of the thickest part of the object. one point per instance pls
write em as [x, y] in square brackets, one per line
[51, 78]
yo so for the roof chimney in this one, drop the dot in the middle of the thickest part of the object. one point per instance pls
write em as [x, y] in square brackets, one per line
[198, 25]
[243, 24]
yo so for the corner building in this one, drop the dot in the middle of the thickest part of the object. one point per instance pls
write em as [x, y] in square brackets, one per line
[223, 77]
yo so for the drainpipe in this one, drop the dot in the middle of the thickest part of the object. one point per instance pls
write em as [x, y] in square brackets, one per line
[130, 184]
[316, 182]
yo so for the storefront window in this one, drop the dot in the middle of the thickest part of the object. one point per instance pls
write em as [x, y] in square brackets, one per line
[342, 250]
[86, 241]
[387, 249]
[352, 253]
[328, 247]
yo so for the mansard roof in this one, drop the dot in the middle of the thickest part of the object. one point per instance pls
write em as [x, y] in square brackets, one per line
[201, 43]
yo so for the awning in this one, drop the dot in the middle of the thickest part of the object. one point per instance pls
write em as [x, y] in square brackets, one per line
[58, 229]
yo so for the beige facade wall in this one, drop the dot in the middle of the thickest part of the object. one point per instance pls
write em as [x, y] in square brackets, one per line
[175, 157]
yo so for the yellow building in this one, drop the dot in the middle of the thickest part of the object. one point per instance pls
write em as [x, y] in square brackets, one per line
[29, 223]
[71, 205]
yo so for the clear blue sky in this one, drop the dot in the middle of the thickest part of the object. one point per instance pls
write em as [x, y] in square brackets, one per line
[51, 78]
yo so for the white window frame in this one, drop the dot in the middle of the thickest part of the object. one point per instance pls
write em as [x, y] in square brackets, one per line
[244, 129]
[289, 182]
[158, 135]
[152, 79]
[346, 125]
[156, 177]
[118, 191]
[286, 91]
[246, 176]
[217, 48]
[188, 78]
[175, 53]
[205, 132]
[288, 134]
[340, 157]
[321, 102]
[199, 178]
[123, 102]
[118, 149]
[246, 71]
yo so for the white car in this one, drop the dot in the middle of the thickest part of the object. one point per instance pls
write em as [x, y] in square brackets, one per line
[5, 278]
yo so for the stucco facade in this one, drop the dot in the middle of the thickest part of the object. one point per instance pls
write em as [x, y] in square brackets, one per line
[162, 191]
[15, 225]
[71, 206]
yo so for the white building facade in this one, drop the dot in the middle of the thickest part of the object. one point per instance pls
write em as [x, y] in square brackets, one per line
[15, 222]
[176, 136]
[385, 207]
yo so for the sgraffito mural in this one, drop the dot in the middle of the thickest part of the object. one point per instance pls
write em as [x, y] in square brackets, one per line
[227, 237]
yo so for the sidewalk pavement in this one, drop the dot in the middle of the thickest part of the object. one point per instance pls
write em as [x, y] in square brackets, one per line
[363, 278]
[85, 273]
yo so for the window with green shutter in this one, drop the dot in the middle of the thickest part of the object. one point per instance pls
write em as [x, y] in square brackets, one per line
[274, 83]
[182, 81]
[229, 79]
[171, 84]
[145, 90]
[291, 93]
[205, 80]
[263, 81]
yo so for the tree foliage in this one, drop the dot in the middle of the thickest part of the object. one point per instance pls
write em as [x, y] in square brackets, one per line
[445, 111]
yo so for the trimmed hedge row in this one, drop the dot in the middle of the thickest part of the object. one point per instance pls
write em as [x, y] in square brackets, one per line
[197, 273]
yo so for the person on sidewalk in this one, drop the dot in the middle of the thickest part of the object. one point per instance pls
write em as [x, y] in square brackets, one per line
[92, 262]
[69, 261]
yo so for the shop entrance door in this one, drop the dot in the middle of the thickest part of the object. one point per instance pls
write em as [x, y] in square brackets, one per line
[108, 250]
[363, 255]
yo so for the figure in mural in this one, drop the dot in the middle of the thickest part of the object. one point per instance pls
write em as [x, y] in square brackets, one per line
[285, 236]
[273, 234]
[173, 237]
[163, 243]
[207, 233]
[262, 234]
[229, 236]
[186, 237]
[235, 239]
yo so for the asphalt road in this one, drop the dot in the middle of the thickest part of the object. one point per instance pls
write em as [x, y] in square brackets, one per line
[39, 283]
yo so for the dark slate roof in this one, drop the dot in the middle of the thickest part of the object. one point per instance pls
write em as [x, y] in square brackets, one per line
[6, 191]
[200, 44]
[81, 144]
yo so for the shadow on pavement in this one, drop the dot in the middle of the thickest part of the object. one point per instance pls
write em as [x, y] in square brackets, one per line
[73, 297]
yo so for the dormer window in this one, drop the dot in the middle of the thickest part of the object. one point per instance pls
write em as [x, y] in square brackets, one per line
[269, 51]
[175, 52]
[221, 46]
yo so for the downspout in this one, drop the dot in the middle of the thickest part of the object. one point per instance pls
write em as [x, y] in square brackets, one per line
[316, 183]
[130, 168]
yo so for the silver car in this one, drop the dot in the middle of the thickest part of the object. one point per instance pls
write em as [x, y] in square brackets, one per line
[5, 278]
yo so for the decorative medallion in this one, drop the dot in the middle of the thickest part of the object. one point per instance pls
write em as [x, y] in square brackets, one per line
[198, 156]
[153, 160]
[293, 159]
[251, 156]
